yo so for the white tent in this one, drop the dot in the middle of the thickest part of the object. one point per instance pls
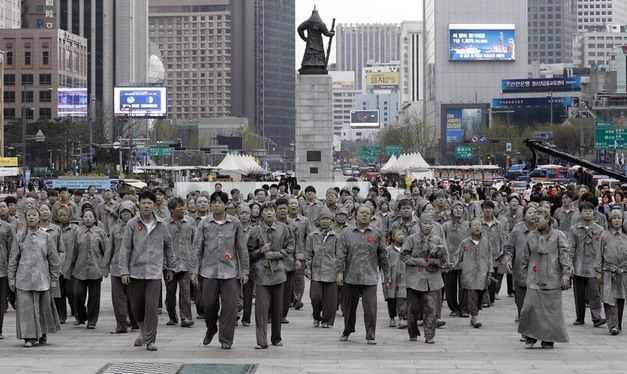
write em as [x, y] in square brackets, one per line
[230, 165]
[407, 162]
[388, 164]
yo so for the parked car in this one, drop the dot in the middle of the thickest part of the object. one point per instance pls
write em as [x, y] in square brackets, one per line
[517, 170]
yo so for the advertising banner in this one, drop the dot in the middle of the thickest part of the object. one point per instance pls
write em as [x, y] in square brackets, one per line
[541, 85]
[532, 101]
[364, 118]
[73, 102]
[462, 124]
[140, 102]
[482, 42]
[382, 80]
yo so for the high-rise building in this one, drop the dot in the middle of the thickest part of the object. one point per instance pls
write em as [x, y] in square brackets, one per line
[593, 49]
[194, 37]
[595, 15]
[275, 78]
[412, 68]
[462, 74]
[116, 33]
[40, 67]
[551, 24]
[10, 14]
[361, 44]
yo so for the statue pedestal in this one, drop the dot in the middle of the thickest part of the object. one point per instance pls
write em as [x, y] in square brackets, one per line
[314, 129]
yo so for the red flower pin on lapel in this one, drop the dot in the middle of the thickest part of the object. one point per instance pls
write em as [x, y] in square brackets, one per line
[465, 248]
[139, 228]
[419, 267]
[535, 268]
[398, 288]
[369, 239]
[227, 257]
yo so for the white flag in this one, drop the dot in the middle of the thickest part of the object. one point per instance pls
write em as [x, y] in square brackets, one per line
[622, 159]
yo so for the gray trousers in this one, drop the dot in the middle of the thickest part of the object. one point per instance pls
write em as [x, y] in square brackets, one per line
[422, 305]
[268, 299]
[519, 297]
[68, 284]
[288, 292]
[247, 291]
[587, 289]
[299, 282]
[60, 301]
[219, 297]
[351, 293]
[200, 310]
[81, 288]
[4, 288]
[182, 280]
[323, 297]
[121, 304]
[145, 303]
[614, 314]
[474, 298]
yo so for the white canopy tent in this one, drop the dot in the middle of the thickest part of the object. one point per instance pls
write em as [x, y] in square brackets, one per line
[240, 165]
[407, 162]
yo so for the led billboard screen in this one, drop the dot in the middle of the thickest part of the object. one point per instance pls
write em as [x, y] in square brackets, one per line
[541, 84]
[73, 102]
[462, 124]
[482, 42]
[140, 101]
[364, 118]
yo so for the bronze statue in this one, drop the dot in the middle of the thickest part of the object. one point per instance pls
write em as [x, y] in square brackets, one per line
[315, 61]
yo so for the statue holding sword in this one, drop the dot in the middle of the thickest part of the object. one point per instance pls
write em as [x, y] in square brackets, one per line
[315, 60]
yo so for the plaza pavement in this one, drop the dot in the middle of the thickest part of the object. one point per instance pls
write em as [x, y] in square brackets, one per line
[458, 348]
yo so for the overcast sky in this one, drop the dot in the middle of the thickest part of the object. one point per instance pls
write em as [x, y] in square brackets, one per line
[354, 11]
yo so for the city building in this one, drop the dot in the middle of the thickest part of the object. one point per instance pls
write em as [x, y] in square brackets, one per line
[593, 48]
[194, 39]
[275, 78]
[343, 104]
[45, 73]
[358, 45]
[551, 26]
[412, 67]
[594, 15]
[10, 14]
[462, 74]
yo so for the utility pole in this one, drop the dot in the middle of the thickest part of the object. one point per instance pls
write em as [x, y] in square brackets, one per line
[92, 111]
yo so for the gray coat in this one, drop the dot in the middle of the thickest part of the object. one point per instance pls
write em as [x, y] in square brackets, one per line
[361, 255]
[68, 237]
[455, 232]
[584, 246]
[546, 260]
[476, 263]
[496, 233]
[321, 256]
[183, 233]
[34, 262]
[143, 254]
[514, 248]
[418, 247]
[86, 258]
[611, 264]
[220, 249]
[398, 285]
[7, 241]
[108, 215]
[111, 258]
[299, 250]
[269, 269]
[565, 219]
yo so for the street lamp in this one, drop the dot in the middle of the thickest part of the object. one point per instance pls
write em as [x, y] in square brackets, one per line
[92, 110]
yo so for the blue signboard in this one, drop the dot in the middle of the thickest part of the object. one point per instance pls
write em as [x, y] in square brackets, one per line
[541, 85]
[140, 101]
[481, 42]
[532, 101]
[81, 184]
[73, 102]
[462, 123]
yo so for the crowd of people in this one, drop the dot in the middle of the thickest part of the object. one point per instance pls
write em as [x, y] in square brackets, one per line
[220, 251]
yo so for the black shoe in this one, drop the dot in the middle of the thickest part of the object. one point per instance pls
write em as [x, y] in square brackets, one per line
[464, 315]
[614, 331]
[578, 322]
[454, 313]
[547, 345]
[599, 322]
[440, 323]
[171, 322]
[225, 346]
[91, 326]
[78, 323]
[284, 320]
[298, 305]
[118, 331]
[278, 344]
[43, 340]
[207, 339]
[187, 323]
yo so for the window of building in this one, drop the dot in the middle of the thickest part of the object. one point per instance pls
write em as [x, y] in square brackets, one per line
[9, 113]
[9, 97]
[45, 96]
[45, 78]
[27, 79]
[27, 96]
[9, 56]
[45, 58]
[45, 112]
[27, 58]
[9, 79]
